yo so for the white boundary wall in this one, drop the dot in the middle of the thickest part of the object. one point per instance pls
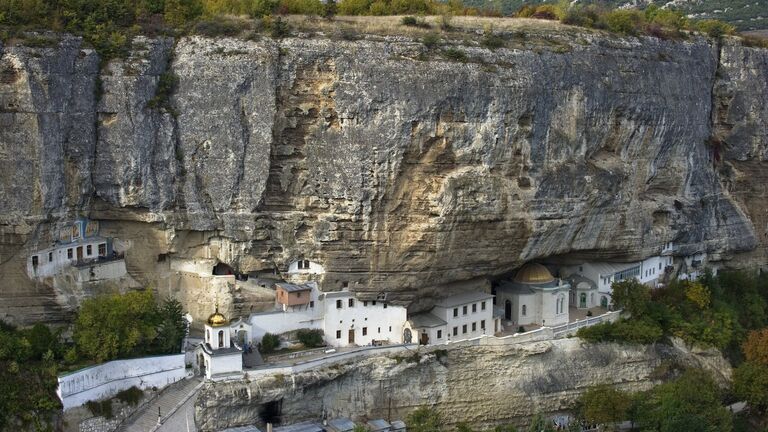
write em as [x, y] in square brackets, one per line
[105, 380]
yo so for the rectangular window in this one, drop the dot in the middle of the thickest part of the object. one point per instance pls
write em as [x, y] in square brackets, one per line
[338, 304]
[345, 284]
[464, 310]
[338, 334]
[464, 329]
[34, 260]
[379, 330]
[482, 306]
[102, 249]
[390, 328]
[439, 334]
[659, 266]
[373, 303]
[482, 324]
[306, 264]
[301, 264]
[474, 307]
[385, 305]
[455, 331]
[298, 295]
[455, 312]
[474, 326]
[365, 303]
[312, 304]
[69, 253]
[365, 331]
[50, 256]
[351, 302]
[89, 250]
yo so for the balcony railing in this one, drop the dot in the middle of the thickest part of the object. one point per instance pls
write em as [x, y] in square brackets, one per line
[84, 262]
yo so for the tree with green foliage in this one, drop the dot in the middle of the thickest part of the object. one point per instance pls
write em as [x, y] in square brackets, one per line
[112, 326]
[750, 383]
[310, 338]
[755, 348]
[632, 296]
[424, 419]
[691, 403]
[603, 404]
[172, 327]
[539, 423]
[463, 427]
[269, 342]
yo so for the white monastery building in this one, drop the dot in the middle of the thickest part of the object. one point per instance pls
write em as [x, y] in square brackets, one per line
[219, 356]
[458, 317]
[534, 296]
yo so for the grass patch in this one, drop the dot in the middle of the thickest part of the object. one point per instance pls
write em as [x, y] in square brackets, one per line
[455, 54]
[131, 396]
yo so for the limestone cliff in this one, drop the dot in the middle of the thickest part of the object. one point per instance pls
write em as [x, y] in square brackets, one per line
[395, 168]
[484, 386]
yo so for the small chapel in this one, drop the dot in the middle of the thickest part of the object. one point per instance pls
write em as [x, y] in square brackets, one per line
[534, 297]
[218, 356]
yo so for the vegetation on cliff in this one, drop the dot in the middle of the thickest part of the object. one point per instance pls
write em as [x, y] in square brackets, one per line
[106, 327]
[714, 311]
[109, 25]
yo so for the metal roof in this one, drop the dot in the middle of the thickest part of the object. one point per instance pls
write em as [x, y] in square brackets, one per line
[242, 429]
[426, 320]
[300, 427]
[341, 424]
[463, 298]
[293, 288]
[378, 425]
[398, 425]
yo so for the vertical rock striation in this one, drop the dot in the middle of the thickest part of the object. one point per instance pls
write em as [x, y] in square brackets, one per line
[395, 168]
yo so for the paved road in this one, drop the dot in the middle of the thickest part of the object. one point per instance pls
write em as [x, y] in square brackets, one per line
[168, 401]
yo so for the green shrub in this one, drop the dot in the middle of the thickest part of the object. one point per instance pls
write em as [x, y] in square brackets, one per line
[217, 27]
[424, 420]
[492, 41]
[643, 331]
[269, 342]
[310, 338]
[131, 396]
[715, 28]
[455, 54]
[430, 40]
[166, 85]
[302, 7]
[276, 27]
[624, 21]
[100, 409]
[354, 7]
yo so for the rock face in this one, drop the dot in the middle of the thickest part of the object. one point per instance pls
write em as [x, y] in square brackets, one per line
[484, 386]
[398, 170]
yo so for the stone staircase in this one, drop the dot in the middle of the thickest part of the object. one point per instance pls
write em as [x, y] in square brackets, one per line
[169, 400]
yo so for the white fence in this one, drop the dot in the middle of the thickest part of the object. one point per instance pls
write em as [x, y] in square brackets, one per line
[105, 380]
[565, 329]
[330, 359]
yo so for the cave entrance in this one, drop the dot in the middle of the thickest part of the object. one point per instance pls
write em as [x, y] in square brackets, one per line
[270, 412]
[222, 269]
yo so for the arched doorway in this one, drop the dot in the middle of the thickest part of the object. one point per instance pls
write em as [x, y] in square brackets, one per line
[407, 337]
[603, 301]
[242, 338]
[424, 340]
[508, 310]
[201, 364]
[583, 300]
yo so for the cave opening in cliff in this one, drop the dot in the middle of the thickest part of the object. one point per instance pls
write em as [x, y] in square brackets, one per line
[271, 412]
[222, 269]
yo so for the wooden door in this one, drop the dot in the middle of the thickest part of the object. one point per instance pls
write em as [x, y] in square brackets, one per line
[79, 253]
[351, 337]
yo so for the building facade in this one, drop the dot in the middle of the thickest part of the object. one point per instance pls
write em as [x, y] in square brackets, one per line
[534, 296]
[454, 318]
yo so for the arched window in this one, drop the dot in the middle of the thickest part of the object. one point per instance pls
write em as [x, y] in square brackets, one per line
[557, 306]
[221, 338]
[525, 310]
[208, 336]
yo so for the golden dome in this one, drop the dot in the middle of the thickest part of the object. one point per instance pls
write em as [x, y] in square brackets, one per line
[533, 273]
[216, 319]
